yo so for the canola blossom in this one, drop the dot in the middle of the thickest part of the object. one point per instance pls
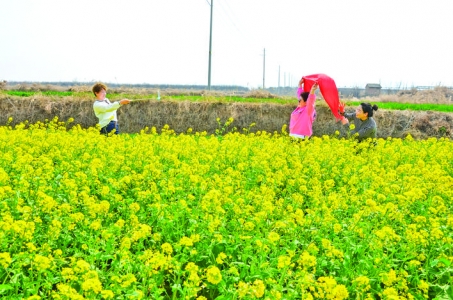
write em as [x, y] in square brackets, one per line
[225, 216]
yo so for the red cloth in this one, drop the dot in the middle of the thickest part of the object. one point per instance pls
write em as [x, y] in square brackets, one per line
[328, 90]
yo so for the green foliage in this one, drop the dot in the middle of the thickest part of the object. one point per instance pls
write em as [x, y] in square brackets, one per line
[408, 106]
[44, 93]
[245, 216]
[200, 98]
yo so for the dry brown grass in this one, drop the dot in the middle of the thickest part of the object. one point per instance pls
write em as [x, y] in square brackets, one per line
[201, 116]
[439, 95]
[261, 94]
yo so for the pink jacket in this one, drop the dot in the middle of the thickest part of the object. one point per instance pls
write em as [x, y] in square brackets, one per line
[302, 118]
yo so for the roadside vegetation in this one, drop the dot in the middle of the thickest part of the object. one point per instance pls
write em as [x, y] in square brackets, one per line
[434, 100]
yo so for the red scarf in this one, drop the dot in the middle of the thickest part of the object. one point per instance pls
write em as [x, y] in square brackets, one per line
[328, 90]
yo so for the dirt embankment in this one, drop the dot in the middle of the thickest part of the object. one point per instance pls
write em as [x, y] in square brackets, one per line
[181, 115]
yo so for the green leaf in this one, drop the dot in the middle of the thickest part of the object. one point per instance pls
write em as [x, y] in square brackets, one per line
[433, 263]
[5, 287]
[445, 261]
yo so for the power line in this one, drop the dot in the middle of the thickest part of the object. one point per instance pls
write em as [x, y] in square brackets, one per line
[228, 15]
[228, 18]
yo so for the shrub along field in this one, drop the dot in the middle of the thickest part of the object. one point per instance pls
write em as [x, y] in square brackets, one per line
[247, 215]
[219, 97]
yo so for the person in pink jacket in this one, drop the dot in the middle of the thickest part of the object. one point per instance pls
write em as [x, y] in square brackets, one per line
[302, 118]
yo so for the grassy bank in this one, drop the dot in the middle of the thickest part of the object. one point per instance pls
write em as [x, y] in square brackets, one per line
[201, 97]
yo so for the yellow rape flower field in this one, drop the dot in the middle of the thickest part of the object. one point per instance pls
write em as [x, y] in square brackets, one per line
[232, 216]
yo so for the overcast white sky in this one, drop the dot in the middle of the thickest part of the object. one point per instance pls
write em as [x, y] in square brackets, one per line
[392, 42]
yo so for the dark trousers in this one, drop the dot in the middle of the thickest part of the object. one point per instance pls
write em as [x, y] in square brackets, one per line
[110, 126]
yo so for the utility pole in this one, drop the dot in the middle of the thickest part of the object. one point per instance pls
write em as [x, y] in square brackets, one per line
[264, 66]
[279, 79]
[210, 47]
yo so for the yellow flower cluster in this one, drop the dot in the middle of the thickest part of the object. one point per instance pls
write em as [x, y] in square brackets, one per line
[5, 259]
[196, 216]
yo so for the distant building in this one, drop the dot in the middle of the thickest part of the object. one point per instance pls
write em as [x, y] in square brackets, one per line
[373, 89]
